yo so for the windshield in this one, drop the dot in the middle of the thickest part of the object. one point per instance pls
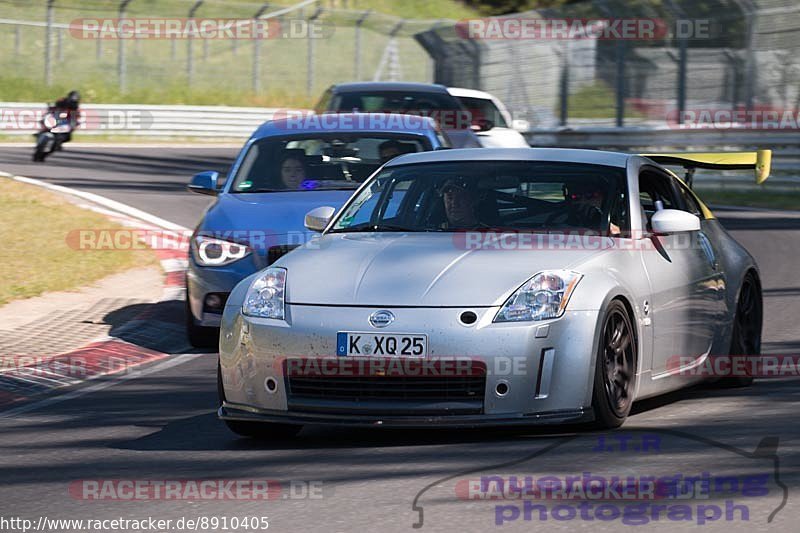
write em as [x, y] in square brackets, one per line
[319, 162]
[483, 109]
[395, 102]
[504, 195]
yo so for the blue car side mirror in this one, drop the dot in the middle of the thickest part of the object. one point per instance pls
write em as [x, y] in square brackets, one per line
[205, 183]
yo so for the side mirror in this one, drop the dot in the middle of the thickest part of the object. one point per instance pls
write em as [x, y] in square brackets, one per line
[318, 218]
[668, 221]
[520, 124]
[205, 183]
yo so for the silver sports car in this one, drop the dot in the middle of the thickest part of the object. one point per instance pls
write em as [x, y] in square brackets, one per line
[493, 286]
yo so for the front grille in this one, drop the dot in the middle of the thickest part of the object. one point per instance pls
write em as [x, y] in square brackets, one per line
[276, 252]
[389, 388]
[390, 393]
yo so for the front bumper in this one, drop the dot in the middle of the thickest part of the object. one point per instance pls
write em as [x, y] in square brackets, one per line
[546, 367]
[201, 281]
[245, 413]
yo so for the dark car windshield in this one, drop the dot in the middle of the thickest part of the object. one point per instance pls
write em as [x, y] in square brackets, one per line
[423, 103]
[319, 162]
[503, 195]
[483, 109]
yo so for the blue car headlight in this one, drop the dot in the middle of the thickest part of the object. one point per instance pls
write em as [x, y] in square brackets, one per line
[209, 251]
[265, 297]
[543, 296]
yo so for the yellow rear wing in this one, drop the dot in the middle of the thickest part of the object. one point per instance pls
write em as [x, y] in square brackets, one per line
[759, 161]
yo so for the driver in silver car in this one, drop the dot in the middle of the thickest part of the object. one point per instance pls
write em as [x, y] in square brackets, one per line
[585, 207]
[460, 203]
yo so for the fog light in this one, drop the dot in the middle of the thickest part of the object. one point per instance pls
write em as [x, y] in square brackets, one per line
[213, 301]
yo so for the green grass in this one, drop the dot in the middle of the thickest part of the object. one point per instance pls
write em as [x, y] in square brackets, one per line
[223, 69]
[595, 101]
[35, 224]
[410, 9]
[766, 199]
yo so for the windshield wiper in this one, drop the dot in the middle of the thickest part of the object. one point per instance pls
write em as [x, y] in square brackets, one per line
[258, 190]
[366, 228]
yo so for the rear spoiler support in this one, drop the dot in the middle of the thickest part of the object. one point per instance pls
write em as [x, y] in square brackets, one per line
[760, 162]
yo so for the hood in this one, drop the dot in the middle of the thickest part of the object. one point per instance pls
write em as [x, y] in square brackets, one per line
[274, 213]
[413, 269]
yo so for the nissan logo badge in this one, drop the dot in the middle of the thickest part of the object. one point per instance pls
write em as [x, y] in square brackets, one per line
[381, 319]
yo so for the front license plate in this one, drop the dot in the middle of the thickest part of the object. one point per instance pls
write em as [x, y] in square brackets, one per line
[381, 345]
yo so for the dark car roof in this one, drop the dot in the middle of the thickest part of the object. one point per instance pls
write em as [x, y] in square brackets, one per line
[374, 86]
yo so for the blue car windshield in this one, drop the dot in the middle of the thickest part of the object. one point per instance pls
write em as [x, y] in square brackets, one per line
[502, 195]
[319, 162]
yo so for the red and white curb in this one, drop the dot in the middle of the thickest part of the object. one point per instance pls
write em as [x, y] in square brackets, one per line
[106, 355]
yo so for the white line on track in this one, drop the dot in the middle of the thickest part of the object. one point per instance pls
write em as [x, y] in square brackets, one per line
[103, 201]
[173, 360]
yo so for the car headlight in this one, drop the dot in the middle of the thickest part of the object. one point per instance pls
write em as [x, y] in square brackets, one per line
[215, 252]
[543, 296]
[265, 297]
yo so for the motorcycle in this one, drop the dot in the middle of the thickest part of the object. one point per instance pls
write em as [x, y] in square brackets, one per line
[57, 125]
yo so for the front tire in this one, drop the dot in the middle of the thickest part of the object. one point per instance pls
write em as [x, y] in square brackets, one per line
[615, 368]
[256, 430]
[199, 336]
[40, 152]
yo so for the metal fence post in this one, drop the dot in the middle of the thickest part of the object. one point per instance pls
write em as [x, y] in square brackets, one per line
[621, 53]
[189, 38]
[310, 63]
[564, 87]
[121, 66]
[683, 53]
[750, 64]
[357, 58]
[48, 44]
[256, 82]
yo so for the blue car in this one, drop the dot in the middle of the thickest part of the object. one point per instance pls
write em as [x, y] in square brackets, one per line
[287, 168]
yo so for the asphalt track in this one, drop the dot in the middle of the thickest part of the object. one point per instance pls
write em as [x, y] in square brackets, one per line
[160, 425]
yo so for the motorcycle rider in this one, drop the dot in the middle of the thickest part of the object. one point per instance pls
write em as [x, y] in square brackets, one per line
[71, 105]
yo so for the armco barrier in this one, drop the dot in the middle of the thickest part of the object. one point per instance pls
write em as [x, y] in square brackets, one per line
[145, 120]
[240, 122]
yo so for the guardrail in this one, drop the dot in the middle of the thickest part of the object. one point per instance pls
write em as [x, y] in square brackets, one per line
[240, 122]
[145, 120]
